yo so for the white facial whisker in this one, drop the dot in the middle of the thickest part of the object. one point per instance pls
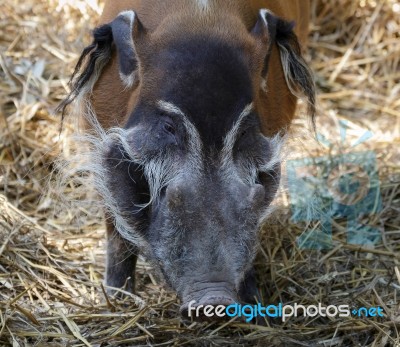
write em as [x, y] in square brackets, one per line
[230, 139]
[276, 146]
[195, 144]
[248, 171]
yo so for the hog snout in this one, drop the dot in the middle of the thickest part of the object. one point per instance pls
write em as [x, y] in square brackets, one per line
[208, 303]
[207, 242]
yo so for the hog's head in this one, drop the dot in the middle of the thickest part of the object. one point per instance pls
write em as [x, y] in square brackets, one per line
[190, 175]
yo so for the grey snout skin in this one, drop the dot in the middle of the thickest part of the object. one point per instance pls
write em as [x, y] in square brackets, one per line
[207, 243]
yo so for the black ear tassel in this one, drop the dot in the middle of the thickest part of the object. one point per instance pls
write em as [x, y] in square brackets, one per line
[118, 33]
[100, 48]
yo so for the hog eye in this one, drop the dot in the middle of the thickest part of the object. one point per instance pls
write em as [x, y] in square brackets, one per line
[261, 178]
[169, 128]
[243, 133]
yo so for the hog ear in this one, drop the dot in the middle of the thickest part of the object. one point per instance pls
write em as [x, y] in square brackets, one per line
[271, 30]
[265, 32]
[121, 33]
[126, 29]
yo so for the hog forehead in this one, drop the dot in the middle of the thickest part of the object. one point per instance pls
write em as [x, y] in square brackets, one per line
[209, 81]
[195, 143]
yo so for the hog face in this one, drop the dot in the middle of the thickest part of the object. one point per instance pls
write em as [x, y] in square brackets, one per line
[188, 176]
[193, 173]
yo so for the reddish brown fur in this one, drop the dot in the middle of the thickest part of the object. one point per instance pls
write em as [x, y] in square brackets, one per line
[230, 18]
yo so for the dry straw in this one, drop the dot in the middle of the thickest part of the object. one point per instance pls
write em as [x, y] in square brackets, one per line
[52, 253]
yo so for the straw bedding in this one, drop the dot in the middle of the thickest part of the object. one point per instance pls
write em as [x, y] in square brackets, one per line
[52, 246]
